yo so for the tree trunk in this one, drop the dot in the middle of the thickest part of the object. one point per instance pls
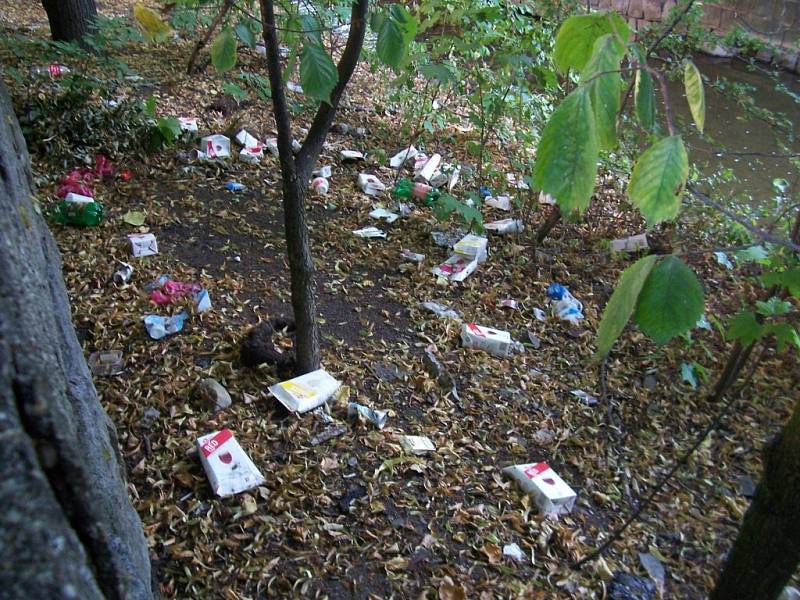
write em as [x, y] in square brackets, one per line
[70, 20]
[767, 550]
[296, 171]
[67, 526]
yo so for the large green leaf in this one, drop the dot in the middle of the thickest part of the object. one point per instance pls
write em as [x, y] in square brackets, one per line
[223, 51]
[644, 94]
[695, 95]
[566, 159]
[790, 279]
[745, 328]
[318, 74]
[658, 179]
[577, 35]
[622, 304]
[396, 28]
[784, 334]
[671, 301]
[246, 34]
[604, 87]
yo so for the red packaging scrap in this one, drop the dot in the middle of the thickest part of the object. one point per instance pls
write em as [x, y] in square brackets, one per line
[229, 470]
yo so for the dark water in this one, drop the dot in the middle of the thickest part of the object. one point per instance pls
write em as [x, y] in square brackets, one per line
[729, 128]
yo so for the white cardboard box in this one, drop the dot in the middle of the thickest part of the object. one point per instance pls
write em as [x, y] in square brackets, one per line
[143, 244]
[474, 246]
[416, 444]
[370, 185]
[215, 146]
[229, 470]
[456, 268]
[493, 341]
[306, 392]
[550, 493]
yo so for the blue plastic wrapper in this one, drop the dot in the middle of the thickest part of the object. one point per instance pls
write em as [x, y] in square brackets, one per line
[563, 304]
[159, 327]
[484, 191]
[556, 291]
[203, 301]
[234, 186]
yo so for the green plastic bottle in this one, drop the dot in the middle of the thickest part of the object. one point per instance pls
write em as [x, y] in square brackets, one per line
[418, 191]
[83, 214]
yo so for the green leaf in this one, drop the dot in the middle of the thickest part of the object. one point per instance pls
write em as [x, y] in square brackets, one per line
[446, 205]
[671, 301]
[566, 159]
[223, 51]
[150, 106]
[246, 35]
[658, 179]
[622, 304]
[318, 74]
[645, 96]
[135, 218]
[695, 95]
[774, 307]
[757, 254]
[234, 91]
[745, 328]
[604, 89]
[577, 35]
[789, 279]
[170, 129]
[784, 334]
[391, 44]
[441, 73]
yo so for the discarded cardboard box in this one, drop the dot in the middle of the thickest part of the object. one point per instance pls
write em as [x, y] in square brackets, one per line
[370, 185]
[473, 246]
[306, 392]
[550, 493]
[416, 444]
[216, 146]
[456, 268]
[229, 470]
[143, 244]
[493, 341]
[405, 155]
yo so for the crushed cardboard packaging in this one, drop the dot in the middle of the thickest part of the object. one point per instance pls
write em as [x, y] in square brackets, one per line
[306, 392]
[550, 493]
[229, 469]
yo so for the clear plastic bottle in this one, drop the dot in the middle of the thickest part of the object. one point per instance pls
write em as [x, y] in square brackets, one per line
[54, 70]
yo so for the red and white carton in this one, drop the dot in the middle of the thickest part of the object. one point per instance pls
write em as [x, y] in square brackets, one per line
[229, 470]
[143, 244]
[456, 268]
[306, 392]
[370, 185]
[475, 247]
[252, 154]
[215, 146]
[493, 341]
[550, 493]
[246, 140]
[633, 243]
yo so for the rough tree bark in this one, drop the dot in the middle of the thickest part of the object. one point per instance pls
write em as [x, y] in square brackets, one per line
[767, 550]
[295, 172]
[70, 20]
[67, 526]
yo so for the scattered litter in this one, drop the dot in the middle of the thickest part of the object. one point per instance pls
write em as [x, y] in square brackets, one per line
[504, 226]
[445, 239]
[212, 394]
[499, 202]
[135, 218]
[246, 140]
[78, 198]
[419, 191]
[370, 232]
[473, 246]
[376, 417]
[440, 310]
[294, 87]
[586, 397]
[202, 301]
[632, 243]
[496, 343]
[509, 303]
[455, 268]
[169, 291]
[563, 304]
[325, 171]
[79, 213]
[252, 154]
[106, 363]
[412, 256]
[306, 392]
[215, 146]
[229, 470]
[535, 341]
[546, 199]
[454, 176]
[370, 185]
[514, 183]
[399, 159]
[54, 70]
[296, 146]
[430, 166]
[188, 124]
[544, 437]
[271, 144]
[329, 433]
[630, 587]
[550, 493]
[388, 372]
[789, 593]
[234, 186]
[654, 568]
[723, 259]
[416, 444]
[514, 552]
[143, 244]
[484, 192]
[437, 370]
[159, 327]
[320, 185]
[351, 156]
[382, 213]
[539, 314]
[123, 274]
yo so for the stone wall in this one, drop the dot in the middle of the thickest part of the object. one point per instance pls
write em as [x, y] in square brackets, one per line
[774, 21]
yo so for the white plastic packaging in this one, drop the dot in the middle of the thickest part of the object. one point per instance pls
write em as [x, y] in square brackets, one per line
[320, 186]
[417, 444]
[143, 244]
[402, 157]
[499, 202]
[493, 341]
[370, 184]
[369, 232]
[382, 213]
[229, 470]
[251, 154]
[430, 167]
[550, 493]
[78, 198]
[306, 392]
[246, 140]
[351, 155]
[504, 226]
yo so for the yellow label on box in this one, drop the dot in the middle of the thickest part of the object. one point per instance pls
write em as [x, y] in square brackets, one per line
[298, 390]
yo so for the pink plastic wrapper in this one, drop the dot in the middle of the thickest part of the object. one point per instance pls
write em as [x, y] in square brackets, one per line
[77, 182]
[173, 290]
[102, 166]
